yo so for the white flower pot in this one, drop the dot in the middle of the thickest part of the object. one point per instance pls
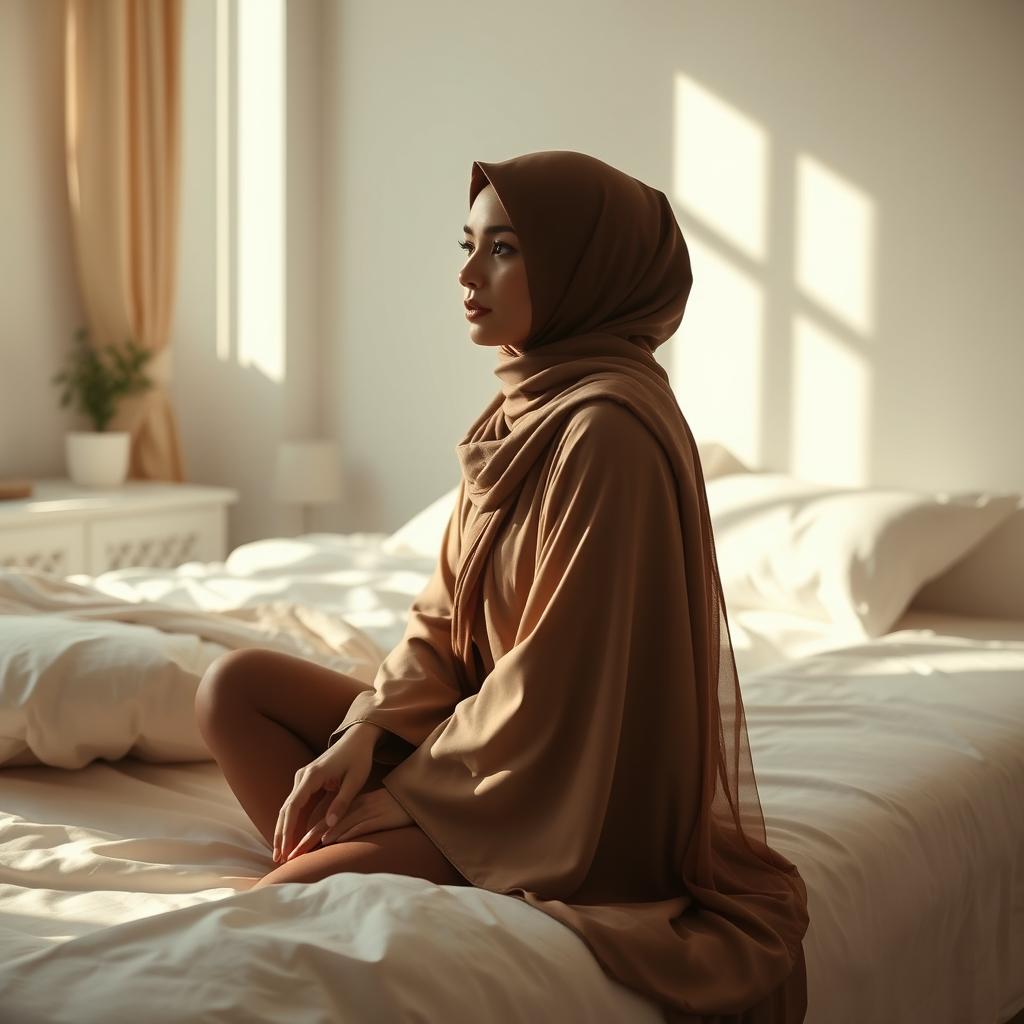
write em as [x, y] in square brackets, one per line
[97, 458]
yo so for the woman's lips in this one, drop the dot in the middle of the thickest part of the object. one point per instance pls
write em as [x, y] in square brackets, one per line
[476, 314]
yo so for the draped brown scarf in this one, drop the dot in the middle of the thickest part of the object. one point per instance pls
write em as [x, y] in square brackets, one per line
[591, 756]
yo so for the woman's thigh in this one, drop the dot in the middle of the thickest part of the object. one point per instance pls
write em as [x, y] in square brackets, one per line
[399, 851]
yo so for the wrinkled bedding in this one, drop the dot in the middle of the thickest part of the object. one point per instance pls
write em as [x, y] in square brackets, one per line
[125, 883]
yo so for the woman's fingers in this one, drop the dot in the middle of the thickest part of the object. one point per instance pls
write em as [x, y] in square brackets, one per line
[361, 807]
[376, 811]
[308, 841]
[343, 768]
[361, 828]
[342, 802]
[287, 820]
[364, 817]
[316, 829]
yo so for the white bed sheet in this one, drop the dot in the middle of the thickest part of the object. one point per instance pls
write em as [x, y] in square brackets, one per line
[891, 773]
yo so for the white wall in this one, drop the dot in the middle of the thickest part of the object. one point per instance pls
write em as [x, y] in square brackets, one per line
[847, 177]
[233, 413]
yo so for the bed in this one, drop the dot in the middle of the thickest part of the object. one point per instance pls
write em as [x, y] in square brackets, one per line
[889, 758]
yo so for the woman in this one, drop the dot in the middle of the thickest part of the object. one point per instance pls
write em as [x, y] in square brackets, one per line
[562, 721]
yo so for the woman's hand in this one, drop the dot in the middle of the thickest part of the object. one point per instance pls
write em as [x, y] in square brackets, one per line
[375, 811]
[323, 790]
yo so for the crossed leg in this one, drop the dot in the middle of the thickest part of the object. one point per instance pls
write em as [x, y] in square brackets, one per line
[401, 851]
[264, 715]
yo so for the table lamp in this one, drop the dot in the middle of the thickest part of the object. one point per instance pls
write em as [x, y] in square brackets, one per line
[307, 472]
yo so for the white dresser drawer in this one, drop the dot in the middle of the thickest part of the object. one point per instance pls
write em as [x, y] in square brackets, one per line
[161, 540]
[58, 549]
[65, 530]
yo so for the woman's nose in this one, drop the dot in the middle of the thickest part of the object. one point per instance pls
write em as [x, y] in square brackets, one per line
[469, 279]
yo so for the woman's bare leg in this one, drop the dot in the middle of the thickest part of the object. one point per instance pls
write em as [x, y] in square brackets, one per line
[400, 851]
[264, 715]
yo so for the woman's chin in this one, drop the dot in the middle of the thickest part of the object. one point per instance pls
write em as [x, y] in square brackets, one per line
[482, 337]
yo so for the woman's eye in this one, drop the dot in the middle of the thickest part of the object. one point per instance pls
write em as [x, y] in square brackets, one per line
[468, 246]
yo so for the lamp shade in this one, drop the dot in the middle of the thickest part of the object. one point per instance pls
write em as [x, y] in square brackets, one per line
[307, 472]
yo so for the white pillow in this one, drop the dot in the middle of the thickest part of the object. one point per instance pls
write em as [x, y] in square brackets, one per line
[854, 557]
[716, 460]
[422, 535]
[72, 691]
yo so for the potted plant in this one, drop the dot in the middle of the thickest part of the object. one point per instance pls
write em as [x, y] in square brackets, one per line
[99, 457]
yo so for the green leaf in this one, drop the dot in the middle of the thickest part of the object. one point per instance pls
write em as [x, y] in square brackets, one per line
[98, 378]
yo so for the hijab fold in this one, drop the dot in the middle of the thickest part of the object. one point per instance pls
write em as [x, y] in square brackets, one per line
[593, 759]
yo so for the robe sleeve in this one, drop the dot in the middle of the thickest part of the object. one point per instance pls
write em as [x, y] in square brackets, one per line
[519, 780]
[416, 686]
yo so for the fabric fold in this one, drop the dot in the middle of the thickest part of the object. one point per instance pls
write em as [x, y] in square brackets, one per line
[527, 749]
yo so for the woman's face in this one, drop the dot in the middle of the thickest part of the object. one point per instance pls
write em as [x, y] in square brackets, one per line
[494, 275]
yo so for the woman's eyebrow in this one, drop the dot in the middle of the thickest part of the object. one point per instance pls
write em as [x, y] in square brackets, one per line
[494, 229]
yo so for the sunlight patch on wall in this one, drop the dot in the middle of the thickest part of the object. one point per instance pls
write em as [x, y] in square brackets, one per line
[835, 244]
[260, 184]
[723, 161]
[831, 403]
[720, 180]
[720, 164]
[225, 298]
[716, 372]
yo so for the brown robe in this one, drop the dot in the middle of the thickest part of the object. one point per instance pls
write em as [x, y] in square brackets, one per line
[563, 709]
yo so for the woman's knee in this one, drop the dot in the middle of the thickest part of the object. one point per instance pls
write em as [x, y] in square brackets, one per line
[307, 698]
[227, 680]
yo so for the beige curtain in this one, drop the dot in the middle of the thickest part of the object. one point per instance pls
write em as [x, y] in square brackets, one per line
[122, 112]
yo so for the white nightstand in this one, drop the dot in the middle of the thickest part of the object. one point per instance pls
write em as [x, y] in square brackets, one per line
[64, 529]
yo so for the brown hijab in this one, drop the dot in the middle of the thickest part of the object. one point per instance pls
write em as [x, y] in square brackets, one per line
[601, 770]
